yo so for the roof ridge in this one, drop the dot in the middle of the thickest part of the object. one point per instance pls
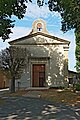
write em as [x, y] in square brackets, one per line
[39, 33]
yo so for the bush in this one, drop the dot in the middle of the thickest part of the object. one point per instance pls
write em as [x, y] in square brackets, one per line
[78, 87]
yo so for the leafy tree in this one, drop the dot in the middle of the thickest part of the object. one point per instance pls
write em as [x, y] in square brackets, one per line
[6, 73]
[13, 60]
[78, 50]
[7, 9]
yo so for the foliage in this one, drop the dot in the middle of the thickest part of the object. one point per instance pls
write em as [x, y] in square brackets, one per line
[6, 73]
[12, 59]
[78, 87]
[69, 11]
[77, 52]
[7, 9]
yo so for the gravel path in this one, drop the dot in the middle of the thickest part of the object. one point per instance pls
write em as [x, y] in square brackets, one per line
[27, 108]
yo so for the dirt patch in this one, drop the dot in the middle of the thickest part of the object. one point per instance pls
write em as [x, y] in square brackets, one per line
[64, 96]
[55, 95]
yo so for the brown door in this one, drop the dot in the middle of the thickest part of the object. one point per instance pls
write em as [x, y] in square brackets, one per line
[38, 75]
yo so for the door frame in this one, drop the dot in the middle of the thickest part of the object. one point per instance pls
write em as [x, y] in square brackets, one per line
[40, 79]
[39, 61]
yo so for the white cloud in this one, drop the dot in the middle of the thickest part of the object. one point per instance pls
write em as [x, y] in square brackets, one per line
[34, 11]
[17, 33]
[3, 45]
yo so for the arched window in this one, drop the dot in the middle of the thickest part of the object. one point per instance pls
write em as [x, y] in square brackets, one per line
[39, 27]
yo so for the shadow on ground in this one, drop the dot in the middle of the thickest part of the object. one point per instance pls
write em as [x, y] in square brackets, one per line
[25, 108]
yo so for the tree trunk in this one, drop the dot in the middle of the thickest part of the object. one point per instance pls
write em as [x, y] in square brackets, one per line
[12, 85]
[74, 89]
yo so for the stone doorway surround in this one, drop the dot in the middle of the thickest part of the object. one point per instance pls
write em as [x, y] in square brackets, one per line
[39, 61]
[38, 75]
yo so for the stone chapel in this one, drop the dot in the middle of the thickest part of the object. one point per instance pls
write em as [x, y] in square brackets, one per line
[47, 65]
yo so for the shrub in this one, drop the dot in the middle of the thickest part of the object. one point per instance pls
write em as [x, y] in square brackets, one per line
[78, 87]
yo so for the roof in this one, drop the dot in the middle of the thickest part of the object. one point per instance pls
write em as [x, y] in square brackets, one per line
[39, 33]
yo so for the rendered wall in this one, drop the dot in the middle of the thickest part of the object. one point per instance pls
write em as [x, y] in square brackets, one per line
[55, 59]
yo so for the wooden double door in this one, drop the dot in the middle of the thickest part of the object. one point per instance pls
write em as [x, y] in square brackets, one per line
[38, 75]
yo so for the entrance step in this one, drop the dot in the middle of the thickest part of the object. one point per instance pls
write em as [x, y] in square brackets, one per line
[37, 88]
[35, 92]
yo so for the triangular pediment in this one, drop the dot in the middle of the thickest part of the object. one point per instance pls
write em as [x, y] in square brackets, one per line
[38, 38]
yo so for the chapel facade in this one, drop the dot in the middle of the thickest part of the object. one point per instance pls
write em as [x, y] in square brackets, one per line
[47, 64]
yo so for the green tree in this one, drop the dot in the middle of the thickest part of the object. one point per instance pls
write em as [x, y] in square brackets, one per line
[7, 9]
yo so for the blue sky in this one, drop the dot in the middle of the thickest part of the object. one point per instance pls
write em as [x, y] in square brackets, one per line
[23, 27]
